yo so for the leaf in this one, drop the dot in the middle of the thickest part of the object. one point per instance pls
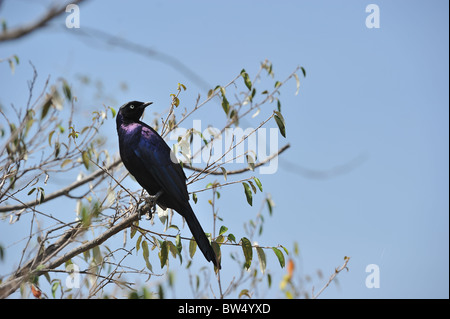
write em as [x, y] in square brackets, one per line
[246, 78]
[224, 172]
[279, 255]
[65, 162]
[12, 66]
[216, 248]
[258, 183]
[145, 254]
[280, 122]
[175, 100]
[67, 91]
[113, 111]
[270, 203]
[253, 186]
[225, 105]
[298, 83]
[231, 238]
[50, 138]
[248, 251]
[194, 197]
[251, 162]
[178, 244]
[244, 292]
[46, 107]
[164, 253]
[285, 249]
[54, 288]
[192, 247]
[138, 243]
[222, 230]
[85, 157]
[278, 84]
[173, 249]
[32, 190]
[303, 71]
[248, 193]
[261, 259]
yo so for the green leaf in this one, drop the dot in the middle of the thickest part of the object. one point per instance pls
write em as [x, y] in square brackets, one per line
[231, 238]
[224, 172]
[164, 253]
[248, 251]
[113, 111]
[244, 292]
[270, 203]
[246, 78]
[253, 186]
[178, 243]
[279, 255]
[261, 259]
[50, 138]
[192, 247]
[216, 248]
[145, 254]
[85, 157]
[12, 65]
[258, 183]
[280, 122]
[303, 71]
[67, 91]
[194, 197]
[285, 249]
[32, 190]
[172, 248]
[248, 193]
[225, 105]
[54, 288]
[65, 162]
[222, 230]
[134, 229]
[46, 107]
[138, 243]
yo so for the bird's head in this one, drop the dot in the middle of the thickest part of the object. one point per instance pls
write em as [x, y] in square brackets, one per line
[132, 111]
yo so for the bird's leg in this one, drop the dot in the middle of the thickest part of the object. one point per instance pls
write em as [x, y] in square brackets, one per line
[151, 201]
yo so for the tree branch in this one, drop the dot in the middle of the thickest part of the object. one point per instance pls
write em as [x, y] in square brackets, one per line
[61, 192]
[336, 272]
[39, 23]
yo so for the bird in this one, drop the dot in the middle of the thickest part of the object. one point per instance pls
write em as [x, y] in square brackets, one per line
[152, 163]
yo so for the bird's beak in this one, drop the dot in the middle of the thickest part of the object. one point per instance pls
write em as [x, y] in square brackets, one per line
[146, 104]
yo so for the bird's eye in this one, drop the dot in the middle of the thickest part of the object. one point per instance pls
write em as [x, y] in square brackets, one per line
[131, 106]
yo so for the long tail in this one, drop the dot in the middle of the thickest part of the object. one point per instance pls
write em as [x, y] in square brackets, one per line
[199, 235]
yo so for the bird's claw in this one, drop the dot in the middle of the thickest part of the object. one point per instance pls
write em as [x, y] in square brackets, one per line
[151, 201]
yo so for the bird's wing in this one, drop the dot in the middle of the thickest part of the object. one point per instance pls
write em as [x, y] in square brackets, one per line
[156, 156]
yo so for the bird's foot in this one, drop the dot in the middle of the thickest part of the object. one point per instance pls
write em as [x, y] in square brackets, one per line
[150, 205]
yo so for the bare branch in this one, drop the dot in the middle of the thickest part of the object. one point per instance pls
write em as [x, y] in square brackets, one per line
[336, 272]
[64, 191]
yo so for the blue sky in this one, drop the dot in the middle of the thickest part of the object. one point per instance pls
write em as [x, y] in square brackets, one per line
[380, 95]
